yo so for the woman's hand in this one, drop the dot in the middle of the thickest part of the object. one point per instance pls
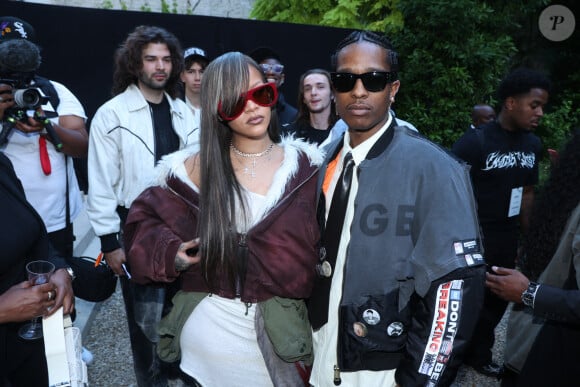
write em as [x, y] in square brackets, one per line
[508, 284]
[25, 301]
[187, 255]
[64, 293]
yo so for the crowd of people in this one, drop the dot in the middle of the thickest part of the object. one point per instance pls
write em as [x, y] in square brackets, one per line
[262, 244]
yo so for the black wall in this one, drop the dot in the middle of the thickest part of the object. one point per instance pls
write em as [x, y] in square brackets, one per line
[78, 43]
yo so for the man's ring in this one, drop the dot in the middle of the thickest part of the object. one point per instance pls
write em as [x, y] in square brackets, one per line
[50, 295]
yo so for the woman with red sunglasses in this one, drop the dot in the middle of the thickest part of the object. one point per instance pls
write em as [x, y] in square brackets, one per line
[236, 225]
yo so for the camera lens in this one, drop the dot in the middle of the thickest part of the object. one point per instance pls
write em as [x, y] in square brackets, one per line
[27, 98]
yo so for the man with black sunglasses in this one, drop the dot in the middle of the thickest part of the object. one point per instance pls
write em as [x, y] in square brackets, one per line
[273, 68]
[401, 273]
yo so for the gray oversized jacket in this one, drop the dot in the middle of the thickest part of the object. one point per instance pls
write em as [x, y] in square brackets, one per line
[414, 260]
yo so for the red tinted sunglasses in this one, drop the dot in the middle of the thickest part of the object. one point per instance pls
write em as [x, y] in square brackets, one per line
[264, 95]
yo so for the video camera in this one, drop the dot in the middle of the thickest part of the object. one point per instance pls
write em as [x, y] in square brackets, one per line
[26, 98]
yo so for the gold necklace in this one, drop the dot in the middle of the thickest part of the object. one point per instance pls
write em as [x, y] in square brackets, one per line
[251, 169]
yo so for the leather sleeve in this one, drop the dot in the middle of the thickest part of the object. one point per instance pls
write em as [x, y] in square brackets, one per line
[151, 242]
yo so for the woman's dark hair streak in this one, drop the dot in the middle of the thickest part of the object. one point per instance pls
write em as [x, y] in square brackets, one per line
[225, 79]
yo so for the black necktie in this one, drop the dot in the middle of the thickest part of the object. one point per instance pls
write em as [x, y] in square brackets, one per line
[318, 303]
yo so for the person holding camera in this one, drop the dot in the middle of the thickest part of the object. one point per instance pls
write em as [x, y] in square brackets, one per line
[47, 119]
[24, 239]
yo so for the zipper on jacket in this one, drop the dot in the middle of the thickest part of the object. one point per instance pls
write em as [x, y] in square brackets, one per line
[242, 242]
[337, 381]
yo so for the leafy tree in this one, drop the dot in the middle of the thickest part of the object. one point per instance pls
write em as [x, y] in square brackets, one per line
[453, 54]
[376, 15]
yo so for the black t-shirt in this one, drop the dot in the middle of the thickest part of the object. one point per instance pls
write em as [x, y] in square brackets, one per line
[500, 161]
[307, 132]
[166, 140]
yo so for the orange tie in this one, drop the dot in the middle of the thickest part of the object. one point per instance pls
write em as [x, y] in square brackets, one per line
[44, 159]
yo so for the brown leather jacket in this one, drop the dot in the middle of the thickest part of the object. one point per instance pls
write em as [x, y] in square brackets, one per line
[282, 248]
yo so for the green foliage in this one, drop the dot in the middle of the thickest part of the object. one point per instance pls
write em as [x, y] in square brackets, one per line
[169, 8]
[555, 130]
[359, 14]
[557, 125]
[164, 6]
[107, 4]
[453, 55]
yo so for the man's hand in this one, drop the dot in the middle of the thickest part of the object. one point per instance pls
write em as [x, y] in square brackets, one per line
[6, 98]
[115, 259]
[508, 284]
[31, 126]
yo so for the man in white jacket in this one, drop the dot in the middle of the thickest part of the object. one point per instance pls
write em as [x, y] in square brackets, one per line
[129, 134]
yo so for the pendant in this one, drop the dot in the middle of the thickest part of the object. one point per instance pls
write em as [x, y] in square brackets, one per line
[251, 170]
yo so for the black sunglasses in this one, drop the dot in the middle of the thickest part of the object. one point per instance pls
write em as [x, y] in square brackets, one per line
[373, 81]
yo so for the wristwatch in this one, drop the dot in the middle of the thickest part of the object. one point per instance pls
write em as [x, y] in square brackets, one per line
[529, 295]
[70, 272]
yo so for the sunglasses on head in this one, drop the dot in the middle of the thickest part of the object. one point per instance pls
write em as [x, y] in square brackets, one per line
[274, 68]
[373, 81]
[264, 95]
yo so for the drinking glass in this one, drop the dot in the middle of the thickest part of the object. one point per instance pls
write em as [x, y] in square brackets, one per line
[39, 273]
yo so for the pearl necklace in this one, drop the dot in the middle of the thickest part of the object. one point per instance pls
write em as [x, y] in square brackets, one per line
[251, 169]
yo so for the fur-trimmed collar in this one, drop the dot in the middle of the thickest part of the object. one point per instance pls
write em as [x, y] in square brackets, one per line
[173, 163]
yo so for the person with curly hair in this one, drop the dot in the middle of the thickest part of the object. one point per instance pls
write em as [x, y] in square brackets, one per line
[129, 134]
[544, 329]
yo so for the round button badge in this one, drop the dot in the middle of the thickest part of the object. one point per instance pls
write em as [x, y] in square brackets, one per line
[371, 317]
[324, 269]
